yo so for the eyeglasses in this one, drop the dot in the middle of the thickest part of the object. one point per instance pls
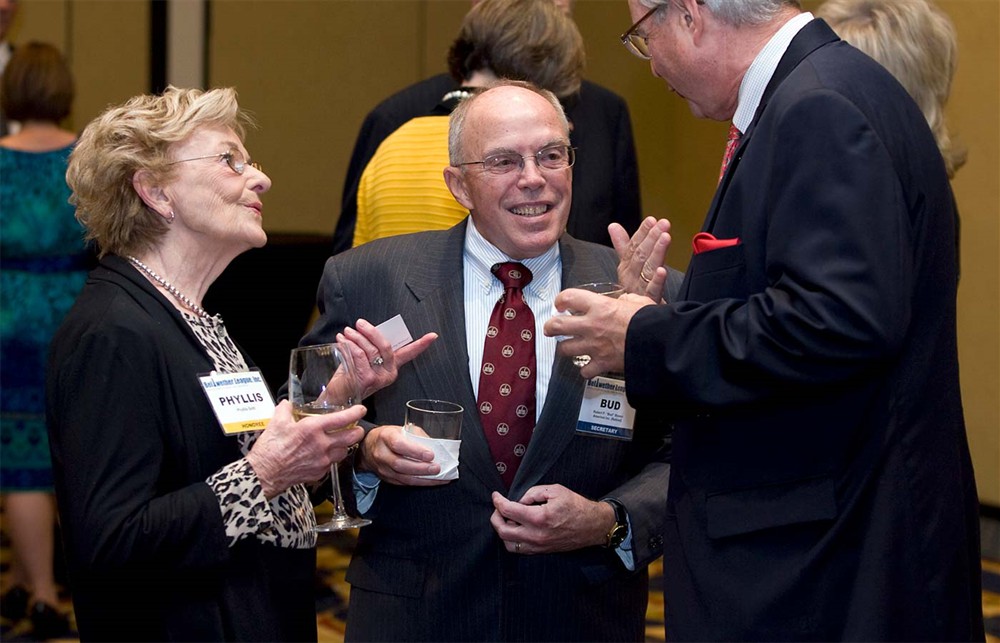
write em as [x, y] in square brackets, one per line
[234, 159]
[553, 157]
[637, 44]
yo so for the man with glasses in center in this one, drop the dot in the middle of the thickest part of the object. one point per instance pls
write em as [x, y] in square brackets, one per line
[543, 537]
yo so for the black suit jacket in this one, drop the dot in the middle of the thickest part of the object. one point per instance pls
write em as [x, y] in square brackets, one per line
[605, 176]
[821, 485]
[430, 567]
[133, 440]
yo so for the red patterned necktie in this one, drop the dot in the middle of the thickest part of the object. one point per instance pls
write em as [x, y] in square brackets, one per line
[732, 141]
[507, 378]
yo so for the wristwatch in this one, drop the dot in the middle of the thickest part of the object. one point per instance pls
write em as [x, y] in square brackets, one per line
[619, 530]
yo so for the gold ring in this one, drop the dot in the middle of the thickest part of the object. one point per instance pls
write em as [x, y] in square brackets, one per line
[642, 275]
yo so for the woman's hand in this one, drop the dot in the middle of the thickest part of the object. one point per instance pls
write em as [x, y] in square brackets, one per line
[376, 364]
[288, 452]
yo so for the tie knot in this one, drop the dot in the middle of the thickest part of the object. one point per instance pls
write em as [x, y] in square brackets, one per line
[512, 274]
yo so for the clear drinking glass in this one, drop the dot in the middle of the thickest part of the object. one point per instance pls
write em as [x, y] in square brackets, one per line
[437, 419]
[321, 380]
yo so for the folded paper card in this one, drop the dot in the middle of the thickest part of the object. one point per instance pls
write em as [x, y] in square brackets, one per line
[396, 332]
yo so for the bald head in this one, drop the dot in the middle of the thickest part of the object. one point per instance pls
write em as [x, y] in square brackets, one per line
[495, 97]
[511, 166]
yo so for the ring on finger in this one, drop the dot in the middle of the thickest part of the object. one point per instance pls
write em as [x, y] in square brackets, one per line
[642, 275]
[378, 361]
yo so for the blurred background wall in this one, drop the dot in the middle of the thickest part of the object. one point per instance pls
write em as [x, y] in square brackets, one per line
[311, 69]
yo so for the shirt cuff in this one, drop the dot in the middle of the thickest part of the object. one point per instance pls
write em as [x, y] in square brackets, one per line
[624, 550]
[365, 485]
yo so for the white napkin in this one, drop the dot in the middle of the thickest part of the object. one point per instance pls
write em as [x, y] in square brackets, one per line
[557, 313]
[445, 454]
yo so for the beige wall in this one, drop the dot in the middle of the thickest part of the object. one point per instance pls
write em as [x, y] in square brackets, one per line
[106, 42]
[975, 116]
[310, 70]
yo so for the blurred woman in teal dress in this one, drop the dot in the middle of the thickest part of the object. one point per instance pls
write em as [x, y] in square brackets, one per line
[42, 269]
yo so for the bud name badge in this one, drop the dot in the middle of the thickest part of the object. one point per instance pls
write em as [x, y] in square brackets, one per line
[605, 412]
[241, 401]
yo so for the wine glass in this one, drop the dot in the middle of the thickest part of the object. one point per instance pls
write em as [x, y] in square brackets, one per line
[321, 380]
[608, 289]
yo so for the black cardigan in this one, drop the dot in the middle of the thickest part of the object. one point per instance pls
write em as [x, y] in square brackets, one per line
[133, 440]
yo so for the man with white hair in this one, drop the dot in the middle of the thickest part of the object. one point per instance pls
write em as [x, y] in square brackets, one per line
[821, 485]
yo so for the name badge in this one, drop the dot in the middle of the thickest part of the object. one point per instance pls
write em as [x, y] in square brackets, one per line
[605, 412]
[241, 401]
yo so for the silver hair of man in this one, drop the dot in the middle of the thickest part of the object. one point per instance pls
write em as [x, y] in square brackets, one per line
[737, 13]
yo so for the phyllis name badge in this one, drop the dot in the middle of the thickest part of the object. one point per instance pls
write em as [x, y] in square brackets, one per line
[241, 401]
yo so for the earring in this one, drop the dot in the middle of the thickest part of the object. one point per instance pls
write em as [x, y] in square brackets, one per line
[172, 217]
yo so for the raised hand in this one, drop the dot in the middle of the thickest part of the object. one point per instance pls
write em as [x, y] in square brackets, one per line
[377, 365]
[641, 257]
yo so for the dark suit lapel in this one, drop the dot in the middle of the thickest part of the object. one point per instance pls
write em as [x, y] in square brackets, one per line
[557, 422]
[437, 286]
[811, 37]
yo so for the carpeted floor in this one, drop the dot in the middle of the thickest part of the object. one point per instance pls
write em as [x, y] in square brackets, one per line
[334, 553]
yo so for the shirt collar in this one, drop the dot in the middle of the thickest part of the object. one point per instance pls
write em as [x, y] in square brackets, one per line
[480, 255]
[762, 68]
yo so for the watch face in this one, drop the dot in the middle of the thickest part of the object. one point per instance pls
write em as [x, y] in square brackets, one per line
[617, 535]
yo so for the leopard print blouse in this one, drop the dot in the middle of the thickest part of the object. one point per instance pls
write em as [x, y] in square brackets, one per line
[287, 520]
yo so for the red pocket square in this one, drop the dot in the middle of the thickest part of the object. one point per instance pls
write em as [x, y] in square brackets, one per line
[705, 241]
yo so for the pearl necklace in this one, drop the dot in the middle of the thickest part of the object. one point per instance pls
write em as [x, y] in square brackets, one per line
[458, 94]
[169, 288]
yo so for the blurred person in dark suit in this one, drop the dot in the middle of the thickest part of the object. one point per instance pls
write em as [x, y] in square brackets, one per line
[606, 175]
[403, 189]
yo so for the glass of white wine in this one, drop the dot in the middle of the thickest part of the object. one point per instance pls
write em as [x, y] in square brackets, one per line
[321, 380]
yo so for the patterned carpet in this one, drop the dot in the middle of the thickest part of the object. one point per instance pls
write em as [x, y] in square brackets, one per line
[334, 553]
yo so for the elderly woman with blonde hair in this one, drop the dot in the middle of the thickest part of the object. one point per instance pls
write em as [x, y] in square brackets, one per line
[174, 529]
